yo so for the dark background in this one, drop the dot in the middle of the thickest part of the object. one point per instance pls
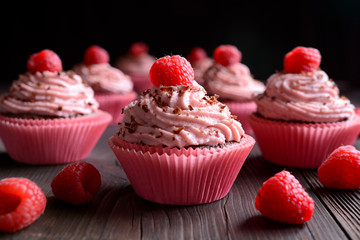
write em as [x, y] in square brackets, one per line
[263, 30]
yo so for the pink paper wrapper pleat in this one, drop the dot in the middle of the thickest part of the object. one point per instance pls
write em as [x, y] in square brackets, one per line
[52, 141]
[183, 176]
[242, 110]
[113, 103]
[302, 145]
[141, 83]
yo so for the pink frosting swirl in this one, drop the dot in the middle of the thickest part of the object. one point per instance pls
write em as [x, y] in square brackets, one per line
[178, 116]
[135, 65]
[55, 94]
[104, 78]
[304, 97]
[233, 82]
[200, 66]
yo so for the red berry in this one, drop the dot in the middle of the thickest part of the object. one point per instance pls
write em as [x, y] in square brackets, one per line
[45, 60]
[196, 54]
[77, 183]
[96, 55]
[138, 48]
[227, 55]
[21, 203]
[283, 199]
[302, 59]
[341, 169]
[171, 71]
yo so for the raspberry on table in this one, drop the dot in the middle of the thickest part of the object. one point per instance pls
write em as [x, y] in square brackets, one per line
[138, 48]
[227, 55]
[21, 203]
[282, 198]
[341, 169]
[171, 71]
[45, 60]
[302, 59]
[77, 183]
[197, 54]
[95, 55]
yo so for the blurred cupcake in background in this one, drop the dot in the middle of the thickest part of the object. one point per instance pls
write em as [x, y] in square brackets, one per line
[300, 117]
[137, 63]
[50, 116]
[113, 89]
[200, 62]
[233, 83]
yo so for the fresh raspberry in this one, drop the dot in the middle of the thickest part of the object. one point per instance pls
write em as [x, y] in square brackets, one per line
[45, 60]
[197, 54]
[341, 169]
[21, 203]
[171, 71]
[227, 55]
[77, 183]
[302, 59]
[138, 48]
[283, 199]
[95, 55]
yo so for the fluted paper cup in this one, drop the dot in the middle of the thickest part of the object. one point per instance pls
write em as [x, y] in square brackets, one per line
[242, 110]
[185, 176]
[52, 141]
[113, 103]
[302, 145]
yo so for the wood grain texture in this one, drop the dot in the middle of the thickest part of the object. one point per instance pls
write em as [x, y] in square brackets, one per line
[118, 213]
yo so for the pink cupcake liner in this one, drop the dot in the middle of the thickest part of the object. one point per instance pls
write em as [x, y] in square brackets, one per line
[183, 176]
[113, 103]
[52, 141]
[302, 145]
[242, 110]
[141, 82]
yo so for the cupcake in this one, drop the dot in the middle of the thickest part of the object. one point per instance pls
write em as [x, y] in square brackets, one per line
[200, 62]
[300, 117]
[136, 63]
[113, 89]
[49, 116]
[233, 83]
[176, 144]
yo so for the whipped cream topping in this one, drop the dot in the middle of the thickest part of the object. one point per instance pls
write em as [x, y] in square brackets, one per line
[135, 65]
[55, 94]
[308, 97]
[104, 78]
[178, 116]
[233, 82]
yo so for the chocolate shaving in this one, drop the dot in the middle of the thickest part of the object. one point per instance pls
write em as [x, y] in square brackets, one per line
[191, 107]
[177, 110]
[177, 131]
[159, 136]
[145, 108]
[183, 90]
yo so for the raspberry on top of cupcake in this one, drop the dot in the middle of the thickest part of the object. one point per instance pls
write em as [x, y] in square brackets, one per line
[200, 62]
[137, 61]
[229, 78]
[303, 92]
[47, 91]
[100, 75]
[176, 112]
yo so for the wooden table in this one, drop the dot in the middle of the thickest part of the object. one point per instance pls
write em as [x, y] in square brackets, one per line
[118, 213]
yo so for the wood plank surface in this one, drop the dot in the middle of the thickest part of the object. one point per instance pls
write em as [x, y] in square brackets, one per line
[118, 213]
